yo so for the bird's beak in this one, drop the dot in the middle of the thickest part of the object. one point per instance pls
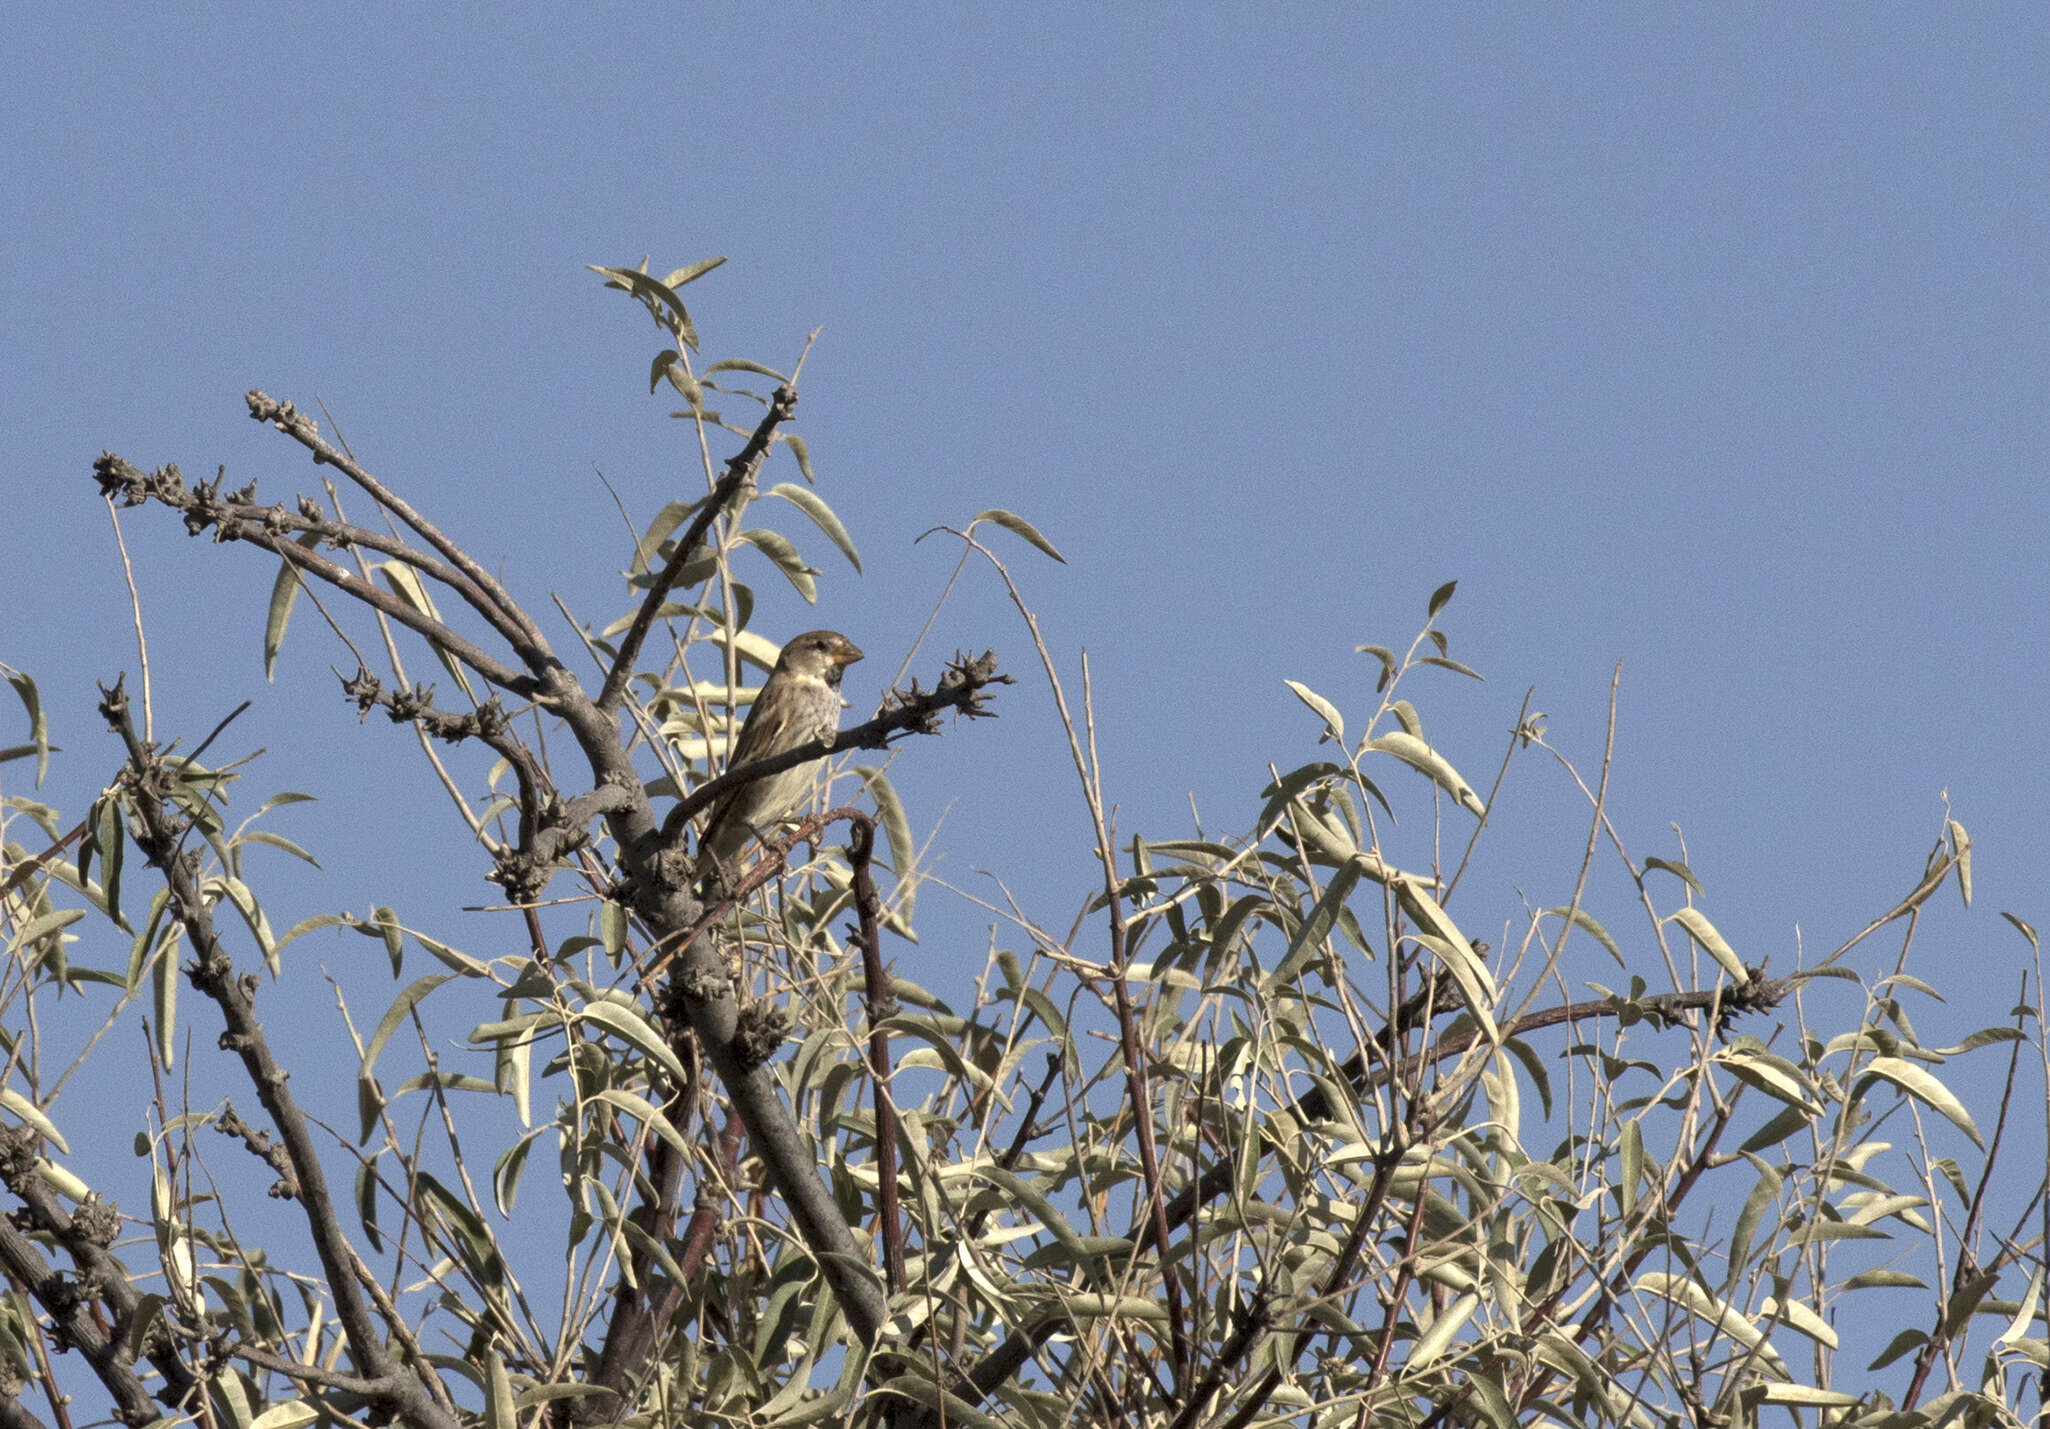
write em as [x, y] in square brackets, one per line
[847, 652]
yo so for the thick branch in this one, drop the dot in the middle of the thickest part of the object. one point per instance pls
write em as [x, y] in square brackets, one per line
[101, 1269]
[70, 1306]
[212, 973]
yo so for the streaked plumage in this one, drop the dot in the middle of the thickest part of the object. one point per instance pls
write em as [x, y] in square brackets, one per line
[800, 703]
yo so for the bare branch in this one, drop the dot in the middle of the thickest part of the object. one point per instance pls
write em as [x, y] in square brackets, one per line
[202, 510]
[740, 470]
[524, 634]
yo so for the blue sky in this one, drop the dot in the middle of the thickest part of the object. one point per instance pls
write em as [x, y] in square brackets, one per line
[1714, 343]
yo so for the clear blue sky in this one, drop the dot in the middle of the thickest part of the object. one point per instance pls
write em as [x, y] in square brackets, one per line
[1714, 343]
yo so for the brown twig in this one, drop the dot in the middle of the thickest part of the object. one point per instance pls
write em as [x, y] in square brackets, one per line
[740, 470]
[861, 847]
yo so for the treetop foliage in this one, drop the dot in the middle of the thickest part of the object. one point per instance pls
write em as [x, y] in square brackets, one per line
[1270, 1135]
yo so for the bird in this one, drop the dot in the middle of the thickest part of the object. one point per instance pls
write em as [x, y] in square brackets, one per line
[799, 704]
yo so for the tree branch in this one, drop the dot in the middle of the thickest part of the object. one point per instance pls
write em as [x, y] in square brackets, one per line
[523, 633]
[202, 509]
[740, 470]
[212, 972]
[963, 688]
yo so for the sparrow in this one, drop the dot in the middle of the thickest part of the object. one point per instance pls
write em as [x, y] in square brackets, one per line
[799, 704]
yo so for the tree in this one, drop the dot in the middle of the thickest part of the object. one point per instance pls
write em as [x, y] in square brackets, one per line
[1400, 1177]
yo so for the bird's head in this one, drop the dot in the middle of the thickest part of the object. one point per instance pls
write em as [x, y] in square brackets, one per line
[821, 654]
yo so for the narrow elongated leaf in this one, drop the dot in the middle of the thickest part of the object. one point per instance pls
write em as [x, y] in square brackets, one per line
[1334, 723]
[807, 501]
[1387, 659]
[1313, 930]
[1679, 870]
[290, 1415]
[1775, 1076]
[110, 836]
[245, 903]
[1441, 596]
[395, 1016]
[165, 986]
[1433, 1341]
[1961, 846]
[1924, 1088]
[499, 1412]
[406, 584]
[38, 725]
[1726, 1318]
[1450, 947]
[648, 1114]
[1018, 526]
[691, 272]
[1427, 761]
[783, 555]
[1703, 932]
[1585, 920]
[627, 1023]
[897, 833]
[802, 452]
[30, 1113]
[284, 592]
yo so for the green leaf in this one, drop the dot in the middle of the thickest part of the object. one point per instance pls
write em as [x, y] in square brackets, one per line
[1427, 761]
[1334, 723]
[33, 1115]
[802, 452]
[659, 298]
[395, 1015]
[1775, 1076]
[1584, 920]
[38, 725]
[1450, 947]
[779, 550]
[821, 515]
[1018, 526]
[1387, 659]
[1440, 596]
[627, 1024]
[308, 925]
[1924, 1088]
[1703, 932]
[406, 584]
[897, 831]
[1961, 847]
[284, 845]
[1453, 665]
[165, 987]
[667, 366]
[245, 903]
[691, 272]
[1433, 1341]
[284, 592]
[499, 1412]
[394, 936]
[741, 364]
[649, 1115]
[1680, 871]
[1313, 930]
